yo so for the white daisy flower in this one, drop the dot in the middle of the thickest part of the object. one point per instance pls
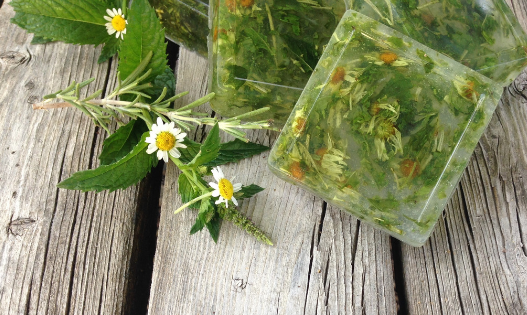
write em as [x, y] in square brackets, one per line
[224, 188]
[165, 139]
[116, 22]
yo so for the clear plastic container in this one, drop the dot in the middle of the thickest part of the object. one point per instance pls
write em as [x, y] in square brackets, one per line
[263, 52]
[484, 35]
[385, 128]
[185, 22]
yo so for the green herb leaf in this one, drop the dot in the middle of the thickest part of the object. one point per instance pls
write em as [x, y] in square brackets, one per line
[165, 79]
[235, 151]
[187, 191]
[143, 35]
[188, 153]
[122, 174]
[209, 149]
[37, 40]
[248, 191]
[198, 226]
[237, 76]
[110, 48]
[122, 141]
[75, 22]
[214, 226]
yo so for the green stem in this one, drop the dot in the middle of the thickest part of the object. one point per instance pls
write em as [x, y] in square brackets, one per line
[193, 201]
[190, 176]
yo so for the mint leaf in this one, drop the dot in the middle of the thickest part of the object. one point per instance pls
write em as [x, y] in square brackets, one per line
[124, 173]
[188, 153]
[110, 48]
[122, 141]
[248, 191]
[165, 79]
[198, 226]
[143, 35]
[209, 149]
[75, 22]
[187, 191]
[235, 151]
[214, 226]
[37, 40]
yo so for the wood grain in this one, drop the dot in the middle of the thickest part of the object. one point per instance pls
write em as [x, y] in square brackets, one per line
[476, 260]
[61, 251]
[323, 260]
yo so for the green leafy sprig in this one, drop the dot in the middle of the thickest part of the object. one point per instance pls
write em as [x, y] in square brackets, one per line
[141, 102]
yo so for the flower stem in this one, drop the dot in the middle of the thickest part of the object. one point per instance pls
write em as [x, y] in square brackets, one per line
[193, 201]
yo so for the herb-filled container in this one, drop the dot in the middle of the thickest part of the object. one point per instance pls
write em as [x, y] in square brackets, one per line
[384, 128]
[185, 22]
[484, 35]
[263, 52]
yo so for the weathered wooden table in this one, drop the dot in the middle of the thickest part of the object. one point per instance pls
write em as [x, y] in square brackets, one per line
[67, 252]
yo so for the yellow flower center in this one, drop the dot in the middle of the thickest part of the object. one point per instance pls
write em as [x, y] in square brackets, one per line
[225, 187]
[165, 141]
[119, 23]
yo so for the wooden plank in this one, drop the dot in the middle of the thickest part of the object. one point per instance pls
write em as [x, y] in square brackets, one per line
[63, 251]
[323, 260]
[476, 260]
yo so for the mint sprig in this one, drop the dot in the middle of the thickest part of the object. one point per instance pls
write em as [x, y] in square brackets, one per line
[119, 175]
[74, 22]
[144, 34]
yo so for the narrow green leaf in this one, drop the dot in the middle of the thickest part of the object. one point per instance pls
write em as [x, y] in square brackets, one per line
[214, 226]
[110, 49]
[122, 141]
[187, 191]
[143, 35]
[235, 151]
[198, 226]
[209, 149]
[75, 22]
[248, 191]
[127, 171]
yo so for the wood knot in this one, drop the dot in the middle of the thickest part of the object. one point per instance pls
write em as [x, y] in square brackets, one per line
[15, 58]
[33, 99]
[19, 226]
[30, 85]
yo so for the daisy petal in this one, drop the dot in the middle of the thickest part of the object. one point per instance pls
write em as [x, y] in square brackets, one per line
[234, 201]
[159, 155]
[111, 31]
[218, 202]
[165, 156]
[216, 193]
[175, 153]
[216, 174]
[213, 185]
[226, 203]
[107, 18]
[159, 122]
[151, 149]
[110, 13]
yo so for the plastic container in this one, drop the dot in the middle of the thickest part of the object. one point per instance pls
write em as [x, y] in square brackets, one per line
[484, 35]
[262, 52]
[185, 22]
[384, 128]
